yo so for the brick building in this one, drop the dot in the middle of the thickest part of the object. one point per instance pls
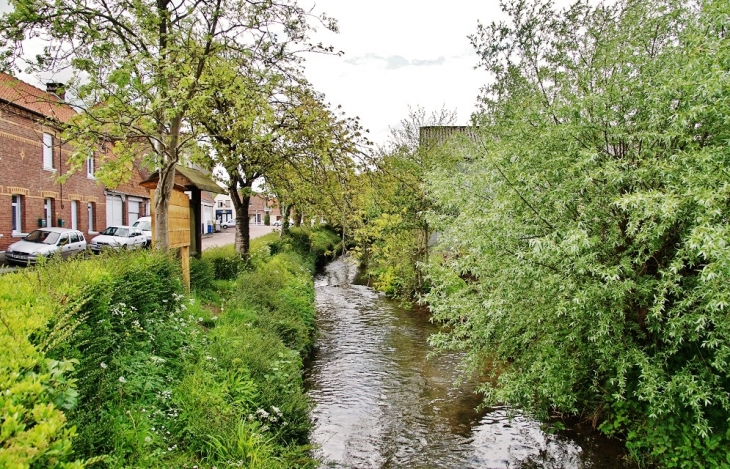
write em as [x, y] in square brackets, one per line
[258, 206]
[33, 157]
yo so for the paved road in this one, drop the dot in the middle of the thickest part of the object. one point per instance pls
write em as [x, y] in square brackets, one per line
[216, 239]
[223, 238]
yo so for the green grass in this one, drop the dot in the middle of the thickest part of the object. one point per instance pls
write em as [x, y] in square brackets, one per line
[133, 373]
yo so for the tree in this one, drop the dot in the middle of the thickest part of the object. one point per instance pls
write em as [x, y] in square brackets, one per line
[265, 124]
[141, 66]
[393, 231]
[584, 238]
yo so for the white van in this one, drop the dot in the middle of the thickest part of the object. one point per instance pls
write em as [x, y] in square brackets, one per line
[145, 224]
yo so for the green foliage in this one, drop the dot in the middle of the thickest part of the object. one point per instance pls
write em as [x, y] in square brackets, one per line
[583, 238]
[393, 233]
[202, 275]
[224, 261]
[34, 432]
[318, 243]
[149, 377]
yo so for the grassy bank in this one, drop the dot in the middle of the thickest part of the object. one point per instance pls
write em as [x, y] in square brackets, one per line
[107, 361]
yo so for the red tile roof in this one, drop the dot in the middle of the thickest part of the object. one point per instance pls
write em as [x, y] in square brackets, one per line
[33, 99]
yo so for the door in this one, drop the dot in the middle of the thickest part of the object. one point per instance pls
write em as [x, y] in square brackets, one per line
[64, 244]
[77, 242]
[48, 211]
[74, 215]
[114, 211]
[133, 208]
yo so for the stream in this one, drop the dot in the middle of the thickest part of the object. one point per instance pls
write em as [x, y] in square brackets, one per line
[381, 402]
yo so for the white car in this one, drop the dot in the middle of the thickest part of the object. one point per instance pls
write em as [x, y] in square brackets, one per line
[45, 242]
[228, 224]
[145, 224]
[119, 237]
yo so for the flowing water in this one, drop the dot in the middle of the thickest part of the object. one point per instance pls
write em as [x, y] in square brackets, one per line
[380, 402]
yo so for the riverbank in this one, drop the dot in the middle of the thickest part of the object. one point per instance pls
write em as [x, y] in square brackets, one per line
[108, 361]
[383, 399]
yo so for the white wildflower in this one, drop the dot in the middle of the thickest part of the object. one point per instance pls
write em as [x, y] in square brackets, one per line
[103, 365]
[122, 380]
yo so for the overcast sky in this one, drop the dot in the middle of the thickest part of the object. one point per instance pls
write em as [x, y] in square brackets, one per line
[401, 53]
[397, 53]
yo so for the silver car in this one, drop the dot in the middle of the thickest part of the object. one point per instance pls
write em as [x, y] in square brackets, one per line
[118, 237]
[45, 242]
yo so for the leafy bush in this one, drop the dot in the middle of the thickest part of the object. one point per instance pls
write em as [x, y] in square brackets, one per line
[226, 263]
[202, 274]
[319, 242]
[588, 264]
[106, 359]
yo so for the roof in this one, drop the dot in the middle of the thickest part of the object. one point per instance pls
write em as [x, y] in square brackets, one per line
[56, 229]
[26, 96]
[201, 180]
[186, 179]
[206, 197]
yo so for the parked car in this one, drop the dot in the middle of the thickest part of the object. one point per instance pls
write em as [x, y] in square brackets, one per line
[118, 237]
[276, 223]
[145, 224]
[228, 224]
[45, 242]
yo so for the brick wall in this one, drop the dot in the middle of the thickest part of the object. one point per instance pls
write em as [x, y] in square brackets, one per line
[22, 173]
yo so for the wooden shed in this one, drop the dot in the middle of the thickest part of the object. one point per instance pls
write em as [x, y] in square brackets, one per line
[187, 221]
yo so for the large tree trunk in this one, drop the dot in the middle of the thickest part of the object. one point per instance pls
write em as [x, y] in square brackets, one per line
[240, 203]
[163, 194]
[285, 219]
[297, 216]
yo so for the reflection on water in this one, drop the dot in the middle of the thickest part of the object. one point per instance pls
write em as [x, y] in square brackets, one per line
[380, 403]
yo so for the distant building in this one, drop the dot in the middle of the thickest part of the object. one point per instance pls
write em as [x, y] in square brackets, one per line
[259, 206]
[438, 134]
[224, 209]
[208, 209]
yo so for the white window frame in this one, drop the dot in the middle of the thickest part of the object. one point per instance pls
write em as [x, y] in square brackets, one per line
[17, 213]
[90, 169]
[48, 152]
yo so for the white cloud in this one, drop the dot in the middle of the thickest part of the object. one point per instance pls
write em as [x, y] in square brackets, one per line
[399, 54]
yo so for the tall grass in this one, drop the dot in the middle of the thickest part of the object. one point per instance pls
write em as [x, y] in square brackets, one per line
[107, 361]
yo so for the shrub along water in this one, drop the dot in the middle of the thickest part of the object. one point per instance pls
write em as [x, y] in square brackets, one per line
[106, 360]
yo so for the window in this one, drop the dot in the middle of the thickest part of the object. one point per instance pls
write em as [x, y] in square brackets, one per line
[17, 216]
[90, 167]
[47, 151]
[90, 208]
[48, 211]
[75, 237]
